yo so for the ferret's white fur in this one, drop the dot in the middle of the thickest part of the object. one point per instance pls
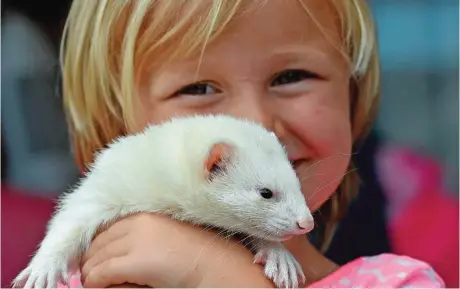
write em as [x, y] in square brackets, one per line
[162, 170]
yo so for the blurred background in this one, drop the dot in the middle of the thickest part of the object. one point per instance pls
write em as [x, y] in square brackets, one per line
[409, 165]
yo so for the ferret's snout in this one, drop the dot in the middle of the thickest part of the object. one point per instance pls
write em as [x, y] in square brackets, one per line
[305, 225]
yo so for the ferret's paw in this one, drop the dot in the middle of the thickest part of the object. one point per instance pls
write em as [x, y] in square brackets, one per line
[280, 266]
[40, 274]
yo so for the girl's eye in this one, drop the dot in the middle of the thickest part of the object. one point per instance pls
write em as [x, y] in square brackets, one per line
[292, 76]
[198, 89]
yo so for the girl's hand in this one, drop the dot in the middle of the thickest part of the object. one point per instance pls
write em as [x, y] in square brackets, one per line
[155, 251]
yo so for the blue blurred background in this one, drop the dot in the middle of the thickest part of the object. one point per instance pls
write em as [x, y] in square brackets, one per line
[417, 133]
[419, 46]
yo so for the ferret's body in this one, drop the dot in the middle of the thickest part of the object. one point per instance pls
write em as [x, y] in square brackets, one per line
[207, 170]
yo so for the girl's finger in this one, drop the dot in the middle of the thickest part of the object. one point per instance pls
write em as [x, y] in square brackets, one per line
[117, 230]
[117, 248]
[113, 271]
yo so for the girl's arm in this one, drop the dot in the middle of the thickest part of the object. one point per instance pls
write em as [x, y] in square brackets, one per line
[150, 250]
[154, 251]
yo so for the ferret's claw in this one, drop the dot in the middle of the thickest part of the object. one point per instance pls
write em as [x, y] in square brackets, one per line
[260, 258]
[40, 274]
[281, 267]
[22, 277]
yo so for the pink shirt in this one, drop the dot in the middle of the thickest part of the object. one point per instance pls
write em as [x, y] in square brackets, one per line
[386, 270]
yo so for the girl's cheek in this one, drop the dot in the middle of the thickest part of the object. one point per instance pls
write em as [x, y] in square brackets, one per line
[325, 127]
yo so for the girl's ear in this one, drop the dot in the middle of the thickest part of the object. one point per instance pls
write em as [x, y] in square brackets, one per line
[217, 159]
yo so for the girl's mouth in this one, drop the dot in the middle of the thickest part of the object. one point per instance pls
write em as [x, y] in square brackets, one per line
[295, 163]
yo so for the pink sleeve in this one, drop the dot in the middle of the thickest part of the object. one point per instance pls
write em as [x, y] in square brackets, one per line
[386, 270]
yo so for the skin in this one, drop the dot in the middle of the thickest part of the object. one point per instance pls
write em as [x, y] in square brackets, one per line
[273, 65]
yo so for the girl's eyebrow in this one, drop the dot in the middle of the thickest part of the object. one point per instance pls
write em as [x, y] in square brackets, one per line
[177, 74]
[302, 53]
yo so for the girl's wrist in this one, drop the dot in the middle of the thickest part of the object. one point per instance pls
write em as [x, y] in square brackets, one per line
[227, 264]
[237, 270]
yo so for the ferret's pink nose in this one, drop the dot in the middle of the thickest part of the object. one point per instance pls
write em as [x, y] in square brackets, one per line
[306, 225]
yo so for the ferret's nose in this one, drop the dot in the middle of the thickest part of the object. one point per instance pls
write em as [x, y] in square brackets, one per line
[306, 225]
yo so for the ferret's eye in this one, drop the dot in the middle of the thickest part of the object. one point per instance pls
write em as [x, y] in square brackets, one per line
[266, 193]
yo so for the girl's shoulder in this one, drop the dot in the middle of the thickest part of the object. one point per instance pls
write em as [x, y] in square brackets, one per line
[385, 270]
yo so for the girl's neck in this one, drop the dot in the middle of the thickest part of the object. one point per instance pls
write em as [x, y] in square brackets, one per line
[315, 265]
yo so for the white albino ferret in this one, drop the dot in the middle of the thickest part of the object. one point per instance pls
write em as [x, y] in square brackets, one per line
[208, 170]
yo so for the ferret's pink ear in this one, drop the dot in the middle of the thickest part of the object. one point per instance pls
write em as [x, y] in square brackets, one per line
[216, 159]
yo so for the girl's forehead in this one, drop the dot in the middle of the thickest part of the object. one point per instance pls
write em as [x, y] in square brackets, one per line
[275, 18]
[281, 29]
[280, 26]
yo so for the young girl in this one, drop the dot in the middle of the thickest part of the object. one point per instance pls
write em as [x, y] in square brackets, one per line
[305, 69]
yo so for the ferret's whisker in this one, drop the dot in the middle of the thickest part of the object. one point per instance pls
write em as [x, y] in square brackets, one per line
[320, 161]
[213, 239]
[328, 158]
[220, 232]
[253, 240]
[330, 183]
[262, 228]
[310, 176]
[245, 238]
[229, 236]
[207, 228]
[228, 249]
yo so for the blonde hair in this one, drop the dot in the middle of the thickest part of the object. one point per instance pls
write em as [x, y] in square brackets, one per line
[106, 44]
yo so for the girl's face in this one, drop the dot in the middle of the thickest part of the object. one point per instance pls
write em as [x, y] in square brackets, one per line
[275, 66]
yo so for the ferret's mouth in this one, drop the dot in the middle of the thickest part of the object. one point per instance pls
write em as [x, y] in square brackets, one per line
[273, 237]
[278, 239]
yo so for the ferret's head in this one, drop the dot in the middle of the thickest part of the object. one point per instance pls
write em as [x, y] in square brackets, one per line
[251, 187]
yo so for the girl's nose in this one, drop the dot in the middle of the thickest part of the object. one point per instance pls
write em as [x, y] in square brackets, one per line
[257, 108]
